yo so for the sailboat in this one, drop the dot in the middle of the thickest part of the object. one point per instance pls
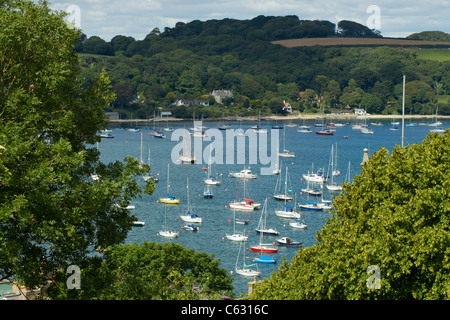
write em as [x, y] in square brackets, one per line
[223, 126]
[312, 190]
[286, 153]
[332, 186]
[147, 177]
[258, 128]
[169, 199]
[282, 196]
[299, 224]
[155, 132]
[186, 156]
[165, 232]
[436, 123]
[167, 128]
[289, 212]
[208, 193]
[265, 259]
[142, 164]
[235, 236]
[245, 270]
[190, 217]
[246, 205]
[261, 247]
[319, 176]
[211, 179]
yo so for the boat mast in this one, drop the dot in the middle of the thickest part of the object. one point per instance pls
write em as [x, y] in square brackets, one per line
[403, 111]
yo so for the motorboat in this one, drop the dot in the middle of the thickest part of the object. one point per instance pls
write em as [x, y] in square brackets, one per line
[245, 174]
[288, 242]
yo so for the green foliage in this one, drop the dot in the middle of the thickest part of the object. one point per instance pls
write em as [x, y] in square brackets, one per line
[352, 29]
[151, 271]
[52, 212]
[394, 215]
[430, 36]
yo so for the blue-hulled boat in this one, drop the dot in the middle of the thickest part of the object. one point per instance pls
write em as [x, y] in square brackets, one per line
[265, 259]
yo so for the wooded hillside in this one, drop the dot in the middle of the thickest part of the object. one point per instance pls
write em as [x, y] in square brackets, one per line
[193, 59]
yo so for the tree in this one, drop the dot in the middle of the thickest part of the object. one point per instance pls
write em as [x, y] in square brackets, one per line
[372, 104]
[394, 216]
[353, 29]
[52, 213]
[151, 271]
[97, 45]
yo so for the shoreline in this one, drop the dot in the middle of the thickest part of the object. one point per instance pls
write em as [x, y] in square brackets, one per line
[286, 118]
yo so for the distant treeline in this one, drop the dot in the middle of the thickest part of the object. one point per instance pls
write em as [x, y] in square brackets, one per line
[266, 28]
[192, 59]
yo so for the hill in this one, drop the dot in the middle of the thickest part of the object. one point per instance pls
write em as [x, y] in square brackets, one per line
[430, 36]
[193, 59]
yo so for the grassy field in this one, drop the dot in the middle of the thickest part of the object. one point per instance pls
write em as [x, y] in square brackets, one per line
[434, 54]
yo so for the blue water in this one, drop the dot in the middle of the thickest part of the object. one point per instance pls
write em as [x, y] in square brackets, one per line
[310, 149]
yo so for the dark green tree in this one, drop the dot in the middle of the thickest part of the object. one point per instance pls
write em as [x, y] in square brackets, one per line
[53, 213]
[394, 216]
[151, 271]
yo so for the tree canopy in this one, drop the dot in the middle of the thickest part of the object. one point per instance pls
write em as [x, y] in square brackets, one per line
[52, 213]
[394, 216]
[151, 271]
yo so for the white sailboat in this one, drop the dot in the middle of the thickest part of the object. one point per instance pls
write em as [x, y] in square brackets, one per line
[436, 123]
[319, 176]
[289, 212]
[150, 176]
[164, 231]
[299, 224]
[190, 217]
[258, 128]
[246, 204]
[286, 153]
[332, 186]
[211, 179]
[235, 236]
[262, 226]
[186, 157]
[282, 196]
[245, 270]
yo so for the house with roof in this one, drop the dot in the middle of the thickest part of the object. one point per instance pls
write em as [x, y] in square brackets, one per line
[190, 102]
[287, 106]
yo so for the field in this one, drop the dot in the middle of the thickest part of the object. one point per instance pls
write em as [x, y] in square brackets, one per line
[434, 54]
[307, 42]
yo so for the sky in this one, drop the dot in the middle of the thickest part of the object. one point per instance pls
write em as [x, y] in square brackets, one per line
[137, 18]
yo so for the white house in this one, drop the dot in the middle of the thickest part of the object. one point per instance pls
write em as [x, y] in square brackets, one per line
[360, 112]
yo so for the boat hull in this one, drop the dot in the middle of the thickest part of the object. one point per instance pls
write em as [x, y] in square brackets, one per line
[168, 234]
[248, 272]
[264, 259]
[169, 201]
[264, 249]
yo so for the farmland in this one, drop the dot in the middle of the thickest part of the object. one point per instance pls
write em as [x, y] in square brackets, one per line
[434, 54]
